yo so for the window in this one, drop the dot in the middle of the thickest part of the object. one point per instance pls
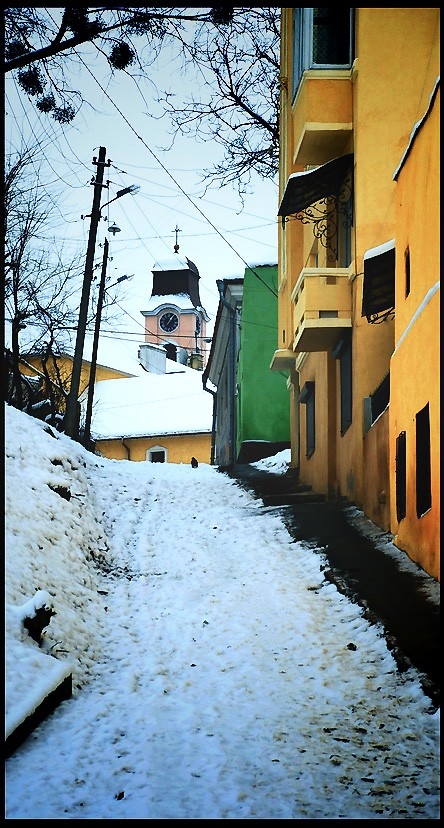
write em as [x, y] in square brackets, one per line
[400, 472]
[171, 350]
[343, 352]
[157, 454]
[423, 472]
[307, 398]
[321, 38]
[407, 271]
[378, 294]
[331, 37]
[344, 224]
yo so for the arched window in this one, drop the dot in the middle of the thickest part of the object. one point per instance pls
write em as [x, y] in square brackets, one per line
[157, 454]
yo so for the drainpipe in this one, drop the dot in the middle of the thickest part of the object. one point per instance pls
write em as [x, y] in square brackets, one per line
[127, 449]
[213, 422]
[231, 368]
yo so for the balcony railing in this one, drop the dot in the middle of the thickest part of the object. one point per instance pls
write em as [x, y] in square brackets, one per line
[322, 300]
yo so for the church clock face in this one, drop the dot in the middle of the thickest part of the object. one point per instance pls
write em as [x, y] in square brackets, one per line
[169, 322]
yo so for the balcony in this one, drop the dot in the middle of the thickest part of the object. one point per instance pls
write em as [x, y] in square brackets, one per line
[323, 116]
[283, 360]
[322, 301]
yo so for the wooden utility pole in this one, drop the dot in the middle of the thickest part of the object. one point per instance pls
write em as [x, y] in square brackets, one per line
[72, 414]
[92, 370]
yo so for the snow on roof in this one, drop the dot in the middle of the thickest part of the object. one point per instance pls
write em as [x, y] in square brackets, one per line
[171, 263]
[379, 249]
[171, 403]
[262, 264]
[240, 274]
[417, 127]
[116, 353]
[181, 301]
[174, 262]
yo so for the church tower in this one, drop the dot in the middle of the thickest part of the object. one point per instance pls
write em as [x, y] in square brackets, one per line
[175, 318]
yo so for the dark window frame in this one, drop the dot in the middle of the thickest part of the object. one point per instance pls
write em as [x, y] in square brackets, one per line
[378, 290]
[401, 476]
[344, 231]
[307, 27]
[423, 462]
[407, 271]
[307, 398]
[343, 352]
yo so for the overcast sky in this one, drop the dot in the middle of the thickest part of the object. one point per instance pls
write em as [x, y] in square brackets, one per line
[116, 117]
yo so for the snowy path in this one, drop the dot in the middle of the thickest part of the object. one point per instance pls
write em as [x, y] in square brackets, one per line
[225, 687]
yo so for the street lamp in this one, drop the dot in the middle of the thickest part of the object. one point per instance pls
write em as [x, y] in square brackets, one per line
[71, 422]
[133, 188]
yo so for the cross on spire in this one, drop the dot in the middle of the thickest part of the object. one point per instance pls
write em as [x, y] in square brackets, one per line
[176, 231]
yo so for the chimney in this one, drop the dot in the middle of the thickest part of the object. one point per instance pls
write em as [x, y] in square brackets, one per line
[152, 358]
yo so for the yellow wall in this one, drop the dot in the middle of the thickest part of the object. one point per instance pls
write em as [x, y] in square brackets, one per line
[64, 371]
[180, 448]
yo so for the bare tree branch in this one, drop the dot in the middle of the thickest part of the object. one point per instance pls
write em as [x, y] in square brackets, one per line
[231, 55]
[38, 281]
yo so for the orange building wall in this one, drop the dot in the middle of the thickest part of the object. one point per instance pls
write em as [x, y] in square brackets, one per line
[415, 365]
[419, 537]
[182, 337]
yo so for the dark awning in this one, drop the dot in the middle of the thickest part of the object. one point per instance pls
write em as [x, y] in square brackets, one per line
[379, 281]
[305, 188]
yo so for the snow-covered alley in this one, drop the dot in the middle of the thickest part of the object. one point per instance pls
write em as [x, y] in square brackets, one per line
[217, 674]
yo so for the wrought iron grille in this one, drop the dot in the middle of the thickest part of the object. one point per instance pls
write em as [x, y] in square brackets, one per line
[329, 216]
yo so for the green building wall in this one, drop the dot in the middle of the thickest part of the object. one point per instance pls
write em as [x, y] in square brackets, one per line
[262, 410]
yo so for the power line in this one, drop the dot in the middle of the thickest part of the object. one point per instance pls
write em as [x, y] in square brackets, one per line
[184, 193]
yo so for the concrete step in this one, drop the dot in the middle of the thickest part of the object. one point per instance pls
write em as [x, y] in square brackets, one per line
[290, 498]
[49, 703]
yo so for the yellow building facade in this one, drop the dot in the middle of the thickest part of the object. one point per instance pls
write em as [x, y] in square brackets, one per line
[165, 448]
[358, 327]
[157, 447]
[58, 372]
